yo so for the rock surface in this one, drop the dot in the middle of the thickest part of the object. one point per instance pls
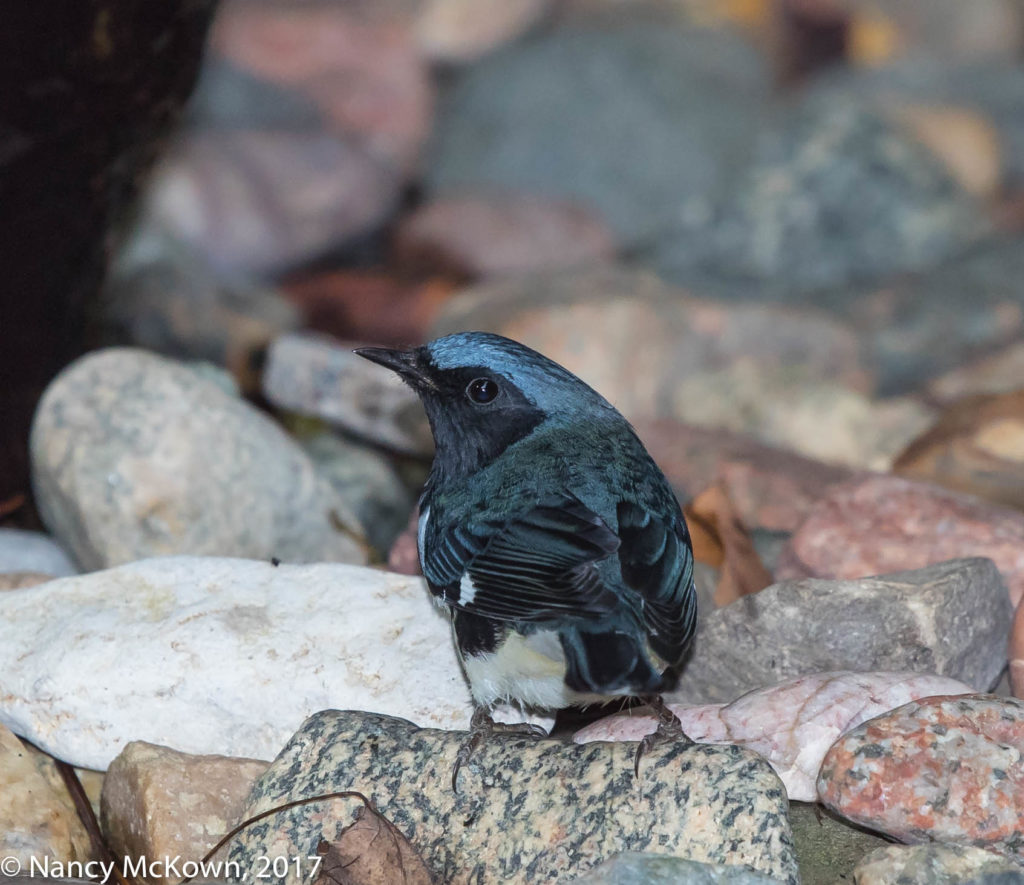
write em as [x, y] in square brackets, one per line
[134, 455]
[517, 816]
[24, 551]
[638, 868]
[835, 194]
[495, 235]
[159, 803]
[947, 769]
[458, 31]
[792, 724]
[880, 524]
[219, 656]
[36, 820]
[827, 848]
[553, 115]
[999, 372]
[1017, 653]
[932, 865]
[951, 619]
[313, 375]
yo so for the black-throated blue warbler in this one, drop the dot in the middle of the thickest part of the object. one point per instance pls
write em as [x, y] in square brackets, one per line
[546, 529]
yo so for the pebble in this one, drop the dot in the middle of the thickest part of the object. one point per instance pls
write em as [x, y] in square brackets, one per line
[460, 31]
[835, 194]
[264, 201]
[161, 294]
[367, 481]
[489, 235]
[364, 74]
[37, 820]
[313, 375]
[999, 372]
[882, 524]
[792, 724]
[159, 803]
[553, 114]
[976, 447]
[940, 769]
[528, 809]
[933, 864]
[25, 551]
[950, 619]
[219, 656]
[135, 455]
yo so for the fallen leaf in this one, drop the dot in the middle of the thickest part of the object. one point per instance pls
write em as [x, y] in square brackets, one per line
[720, 539]
[371, 851]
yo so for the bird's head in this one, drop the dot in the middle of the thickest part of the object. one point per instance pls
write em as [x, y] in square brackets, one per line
[483, 392]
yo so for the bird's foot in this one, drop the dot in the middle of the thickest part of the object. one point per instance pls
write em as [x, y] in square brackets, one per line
[482, 726]
[669, 730]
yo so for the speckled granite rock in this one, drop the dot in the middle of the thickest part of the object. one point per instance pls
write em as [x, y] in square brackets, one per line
[878, 524]
[943, 769]
[314, 375]
[792, 724]
[23, 551]
[639, 868]
[36, 820]
[528, 810]
[931, 864]
[552, 114]
[158, 802]
[135, 455]
[224, 656]
[952, 619]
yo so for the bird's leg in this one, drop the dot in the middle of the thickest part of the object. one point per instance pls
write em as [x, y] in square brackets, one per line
[669, 729]
[482, 726]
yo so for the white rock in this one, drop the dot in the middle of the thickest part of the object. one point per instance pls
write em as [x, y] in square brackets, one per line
[792, 724]
[216, 655]
[22, 551]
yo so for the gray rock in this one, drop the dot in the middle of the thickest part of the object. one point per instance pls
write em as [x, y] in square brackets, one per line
[637, 868]
[314, 375]
[368, 484]
[528, 810]
[936, 864]
[952, 618]
[641, 120]
[835, 194]
[23, 551]
[134, 455]
[162, 294]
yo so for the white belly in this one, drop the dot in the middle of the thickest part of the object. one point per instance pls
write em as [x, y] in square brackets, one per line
[528, 670]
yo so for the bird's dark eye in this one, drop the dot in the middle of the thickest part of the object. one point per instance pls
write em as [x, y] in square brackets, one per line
[482, 390]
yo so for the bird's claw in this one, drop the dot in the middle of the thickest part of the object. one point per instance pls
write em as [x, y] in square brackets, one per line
[482, 726]
[669, 730]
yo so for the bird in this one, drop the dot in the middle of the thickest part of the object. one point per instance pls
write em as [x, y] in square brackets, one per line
[547, 532]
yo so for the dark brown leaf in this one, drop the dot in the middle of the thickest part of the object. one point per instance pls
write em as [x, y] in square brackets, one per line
[371, 851]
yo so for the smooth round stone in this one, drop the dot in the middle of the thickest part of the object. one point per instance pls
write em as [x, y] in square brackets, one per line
[135, 455]
[24, 551]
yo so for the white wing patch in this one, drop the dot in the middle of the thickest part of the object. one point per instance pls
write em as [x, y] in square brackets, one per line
[421, 531]
[467, 590]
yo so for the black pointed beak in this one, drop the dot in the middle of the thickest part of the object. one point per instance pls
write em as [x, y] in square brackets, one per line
[406, 363]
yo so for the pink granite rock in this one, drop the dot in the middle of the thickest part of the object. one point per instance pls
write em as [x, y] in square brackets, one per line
[883, 524]
[948, 769]
[792, 724]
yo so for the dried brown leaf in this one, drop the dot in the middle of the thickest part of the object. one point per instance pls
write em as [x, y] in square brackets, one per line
[371, 851]
[742, 571]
